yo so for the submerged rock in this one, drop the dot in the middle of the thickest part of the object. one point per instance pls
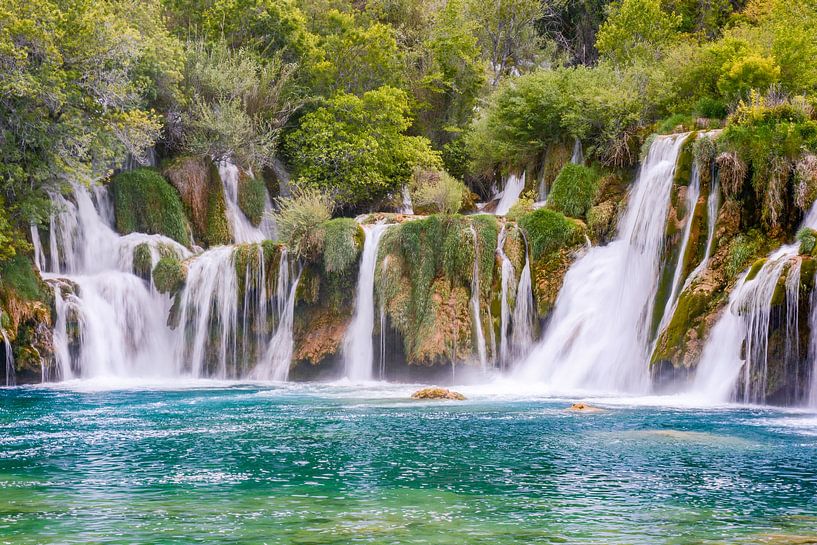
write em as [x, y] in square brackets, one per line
[435, 392]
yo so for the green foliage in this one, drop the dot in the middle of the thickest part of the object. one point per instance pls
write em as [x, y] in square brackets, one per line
[169, 275]
[808, 240]
[145, 202]
[299, 217]
[355, 148]
[675, 123]
[521, 207]
[17, 274]
[747, 73]
[636, 30]
[435, 191]
[142, 260]
[251, 195]
[218, 228]
[742, 249]
[342, 243]
[574, 190]
[548, 231]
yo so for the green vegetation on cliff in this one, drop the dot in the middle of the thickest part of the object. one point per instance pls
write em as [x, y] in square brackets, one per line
[574, 190]
[145, 202]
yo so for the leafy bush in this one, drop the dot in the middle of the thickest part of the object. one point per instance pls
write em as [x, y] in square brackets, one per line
[711, 107]
[742, 249]
[808, 240]
[18, 274]
[251, 195]
[521, 207]
[145, 202]
[574, 190]
[435, 191]
[299, 217]
[342, 243]
[548, 231]
[747, 73]
[169, 275]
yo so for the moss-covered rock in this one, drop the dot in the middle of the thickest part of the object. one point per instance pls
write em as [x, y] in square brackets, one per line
[549, 231]
[435, 392]
[142, 261]
[217, 231]
[169, 275]
[191, 178]
[251, 196]
[574, 190]
[145, 202]
[808, 240]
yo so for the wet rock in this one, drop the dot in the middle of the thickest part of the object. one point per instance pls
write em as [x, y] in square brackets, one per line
[435, 392]
[584, 408]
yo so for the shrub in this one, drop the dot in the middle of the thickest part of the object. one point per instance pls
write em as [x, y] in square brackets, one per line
[169, 275]
[251, 195]
[435, 191]
[747, 73]
[711, 108]
[671, 124]
[808, 240]
[523, 206]
[342, 242]
[18, 274]
[805, 177]
[145, 202]
[142, 261]
[299, 217]
[743, 249]
[574, 190]
[548, 231]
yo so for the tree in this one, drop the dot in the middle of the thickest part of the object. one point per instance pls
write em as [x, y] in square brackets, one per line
[636, 29]
[355, 148]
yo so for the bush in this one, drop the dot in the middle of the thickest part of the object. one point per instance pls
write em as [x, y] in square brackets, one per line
[342, 242]
[574, 190]
[435, 191]
[299, 217]
[145, 202]
[18, 274]
[743, 248]
[808, 240]
[169, 275]
[251, 195]
[521, 207]
[548, 231]
[710, 107]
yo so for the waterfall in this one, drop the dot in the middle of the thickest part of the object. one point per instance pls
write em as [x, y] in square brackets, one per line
[406, 206]
[240, 226]
[812, 351]
[278, 356]
[9, 358]
[600, 328]
[712, 205]
[692, 194]
[523, 312]
[507, 277]
[482, 351]
[358, 352]
[510, 194]
[39, 254]
[108, 321]
[737, 348]
[578, 153]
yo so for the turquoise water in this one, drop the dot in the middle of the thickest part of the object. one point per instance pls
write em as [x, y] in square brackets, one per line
[332, 464]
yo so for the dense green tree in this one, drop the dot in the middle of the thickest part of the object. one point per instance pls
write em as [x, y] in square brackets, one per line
[636, 29]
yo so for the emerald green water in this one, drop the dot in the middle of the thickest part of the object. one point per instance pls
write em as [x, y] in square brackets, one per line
[331, 464]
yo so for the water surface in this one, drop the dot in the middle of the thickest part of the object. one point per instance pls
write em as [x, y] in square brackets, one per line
[337, 464]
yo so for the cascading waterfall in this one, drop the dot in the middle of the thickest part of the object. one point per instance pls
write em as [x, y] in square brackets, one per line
[513, 189]
[406, 207]
[476, 314]
[9, 358]
[358, 351]
[108, 321]
[278, 356]
[578, 153]
[692, 193]
[812, 350]
[712, 205]
[523, 312]
[599, 331]
[507, 278]
[737, 348]
[242, 229]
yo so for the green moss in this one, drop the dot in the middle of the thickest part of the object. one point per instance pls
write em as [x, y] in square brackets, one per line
[690, 306]
[251, 195]
[18, 274]
[169, 275]
[342, 242]
[574, 190]
[683, 167]
[142, 261]
[548, 231]
[145, 202]
[218, 228]
[743, 248]
[756, 266]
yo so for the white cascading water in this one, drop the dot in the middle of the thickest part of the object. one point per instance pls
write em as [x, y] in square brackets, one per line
[406, 206]
[812, 350]
[242, 229]
[737, 345]
[523, 313]
[479, 336]
[692, 193]
[9, 358]
[120, 319]
[578, 153]
[510, 194]
[278, 354]
[507, 283]
[600, 328]
[358, 350]
[712, 205]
